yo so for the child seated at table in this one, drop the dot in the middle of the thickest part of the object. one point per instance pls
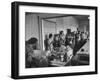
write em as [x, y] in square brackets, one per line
[56, 42]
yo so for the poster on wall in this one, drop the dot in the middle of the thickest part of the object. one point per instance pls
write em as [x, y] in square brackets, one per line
[51, 40]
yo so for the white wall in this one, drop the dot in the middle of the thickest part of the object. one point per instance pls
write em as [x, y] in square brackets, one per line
[67, 23]
[5, 40]
[48, 27]
[31, 26]
[64, 23]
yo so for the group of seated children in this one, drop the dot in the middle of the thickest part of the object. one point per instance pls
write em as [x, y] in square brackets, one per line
[65, 46]
[68, 44]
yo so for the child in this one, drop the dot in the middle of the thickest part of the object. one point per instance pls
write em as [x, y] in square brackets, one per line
[56, 43]
[69, 52]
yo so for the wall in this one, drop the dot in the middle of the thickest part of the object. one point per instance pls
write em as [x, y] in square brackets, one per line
[49, 27]
[5, 40]
[84, 25]
[70, 22]
[31, 26]
[64, 23]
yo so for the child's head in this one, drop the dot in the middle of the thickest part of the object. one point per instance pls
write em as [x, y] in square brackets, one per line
[50, 35]
[61, 33]
[56, 37]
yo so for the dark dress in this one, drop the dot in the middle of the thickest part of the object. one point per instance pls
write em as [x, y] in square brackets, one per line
[46, 44]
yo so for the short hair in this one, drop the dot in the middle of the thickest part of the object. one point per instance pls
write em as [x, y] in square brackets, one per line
[32, 41]
[50, 35]
[60, 32]
[56, 35]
